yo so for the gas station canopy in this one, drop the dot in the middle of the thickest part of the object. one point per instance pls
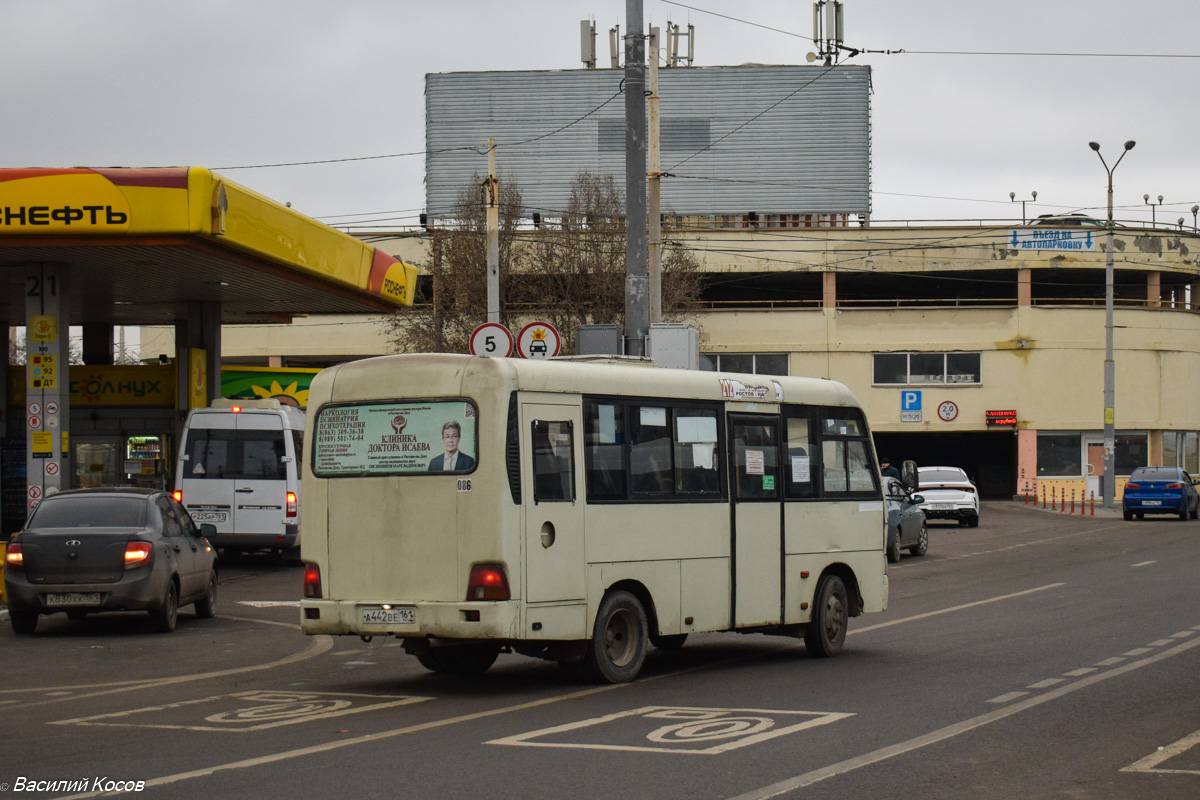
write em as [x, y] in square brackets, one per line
[142, 244]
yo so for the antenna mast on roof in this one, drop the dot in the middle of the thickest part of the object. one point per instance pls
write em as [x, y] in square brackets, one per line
[828, 27]
[674, 33]
[587, 43]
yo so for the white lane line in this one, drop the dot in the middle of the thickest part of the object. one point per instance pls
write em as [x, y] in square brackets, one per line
[320, 748]
[950, 731]
[1137, 651]
[1145, 563]
[1108, 662]
[928, 614]
[1008, 698]
[1160, 643]
[1046, 684]
[319, 645]
[370, 737]
[1078, 673]
[1181, 635]
[1150, 762]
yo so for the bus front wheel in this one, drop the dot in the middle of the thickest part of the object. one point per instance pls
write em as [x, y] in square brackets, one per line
[617, 648]
[826, 631]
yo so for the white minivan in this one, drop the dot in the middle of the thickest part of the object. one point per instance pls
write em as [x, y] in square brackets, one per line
[238, 470]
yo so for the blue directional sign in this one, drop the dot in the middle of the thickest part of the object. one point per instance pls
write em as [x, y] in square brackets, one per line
[1050, 239]
[910, 400]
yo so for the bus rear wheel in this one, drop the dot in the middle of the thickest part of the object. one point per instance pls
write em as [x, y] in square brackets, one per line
[826, 631]
[467, 659]
[617, 649]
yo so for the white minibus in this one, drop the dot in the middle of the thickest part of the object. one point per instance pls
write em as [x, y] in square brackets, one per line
[578, 512]
[238, 470]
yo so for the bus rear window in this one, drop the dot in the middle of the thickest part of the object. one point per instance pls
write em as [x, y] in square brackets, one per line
[395, 438]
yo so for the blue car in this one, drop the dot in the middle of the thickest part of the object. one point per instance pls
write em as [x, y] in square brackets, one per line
[1160, 490]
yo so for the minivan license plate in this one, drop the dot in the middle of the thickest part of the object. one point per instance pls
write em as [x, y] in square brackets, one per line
[209, 516]
[406, 615]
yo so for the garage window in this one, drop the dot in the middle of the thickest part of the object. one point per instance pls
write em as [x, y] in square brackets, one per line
[1059, 454]
[926, 369]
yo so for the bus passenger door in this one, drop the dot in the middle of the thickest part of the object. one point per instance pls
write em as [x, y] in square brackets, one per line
[757, 520]
[554, 551]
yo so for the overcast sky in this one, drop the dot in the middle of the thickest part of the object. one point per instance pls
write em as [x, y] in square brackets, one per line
[232, 83]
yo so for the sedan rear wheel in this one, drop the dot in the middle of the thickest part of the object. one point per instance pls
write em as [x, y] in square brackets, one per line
[165, 617]
[206, 607]
[893, 550]
[23, 622]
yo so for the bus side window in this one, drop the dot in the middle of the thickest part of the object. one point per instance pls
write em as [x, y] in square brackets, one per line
[604, 450]
[696, 455]
[801, 458]
[650, 450]
[845, 456]
[553, 462]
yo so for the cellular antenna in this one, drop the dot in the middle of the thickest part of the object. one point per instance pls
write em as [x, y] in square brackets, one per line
[828, 30]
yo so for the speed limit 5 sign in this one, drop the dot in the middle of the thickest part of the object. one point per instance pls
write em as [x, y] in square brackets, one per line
[491, 339]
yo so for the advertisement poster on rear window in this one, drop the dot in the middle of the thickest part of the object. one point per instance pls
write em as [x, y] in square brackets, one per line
[395, 439]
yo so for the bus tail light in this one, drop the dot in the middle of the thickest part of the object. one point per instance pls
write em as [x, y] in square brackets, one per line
[312, 581]
[488, 582]
[137, 554]
[178, 495]
[14, 559]
[291, 504]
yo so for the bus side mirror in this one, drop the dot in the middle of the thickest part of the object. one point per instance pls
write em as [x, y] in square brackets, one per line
[908, 475]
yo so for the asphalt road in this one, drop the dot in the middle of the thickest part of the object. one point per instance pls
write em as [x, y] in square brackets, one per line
[1040, 655]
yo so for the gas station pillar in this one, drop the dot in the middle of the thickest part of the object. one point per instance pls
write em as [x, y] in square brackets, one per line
[47, 380]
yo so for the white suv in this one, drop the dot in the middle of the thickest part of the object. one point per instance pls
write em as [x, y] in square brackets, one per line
[949, 494]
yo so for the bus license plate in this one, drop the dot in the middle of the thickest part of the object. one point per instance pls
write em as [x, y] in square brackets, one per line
[73, 599]
[209, 516]
[406, 615]
[1152, 502]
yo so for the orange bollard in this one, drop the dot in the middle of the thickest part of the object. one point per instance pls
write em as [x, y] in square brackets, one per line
[1072, 501]
[1026, 497]
[1043, 498]
[1093, 504]
[1054, 499]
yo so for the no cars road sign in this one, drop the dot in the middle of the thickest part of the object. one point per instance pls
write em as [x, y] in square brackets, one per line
[491, 339]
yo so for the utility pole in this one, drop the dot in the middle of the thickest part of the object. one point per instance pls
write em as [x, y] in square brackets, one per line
[637, 314]
[655, 178]
[492, 200]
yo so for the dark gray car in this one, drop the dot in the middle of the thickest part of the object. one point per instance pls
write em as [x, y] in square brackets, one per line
[90, 551]
[906, 522]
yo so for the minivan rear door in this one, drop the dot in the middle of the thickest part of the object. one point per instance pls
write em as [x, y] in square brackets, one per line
[210, 466]
[260, 487]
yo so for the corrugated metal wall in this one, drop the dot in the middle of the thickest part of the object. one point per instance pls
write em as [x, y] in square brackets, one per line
[769, 139]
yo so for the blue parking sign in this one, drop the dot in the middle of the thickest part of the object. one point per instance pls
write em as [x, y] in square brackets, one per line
[910, 400]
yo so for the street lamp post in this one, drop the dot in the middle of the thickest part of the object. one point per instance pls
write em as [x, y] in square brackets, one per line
[1146, 198]
[1108, 487]
[1195, 210]
[1012, 196]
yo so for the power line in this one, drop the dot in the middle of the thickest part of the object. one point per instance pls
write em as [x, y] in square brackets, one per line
[855, 51]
